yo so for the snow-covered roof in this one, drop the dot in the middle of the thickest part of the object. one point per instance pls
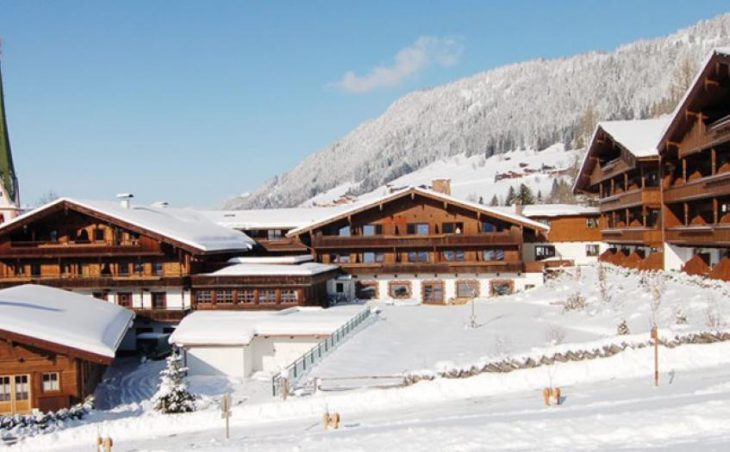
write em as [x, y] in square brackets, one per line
[271, 259]
[286, 218]
[640, 137]
[558, 210]
[65, 318]
[429, 193]
[186, 226]
[240, 327]
[263, 269]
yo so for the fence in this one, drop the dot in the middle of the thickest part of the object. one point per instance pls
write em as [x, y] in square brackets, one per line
[296, 370]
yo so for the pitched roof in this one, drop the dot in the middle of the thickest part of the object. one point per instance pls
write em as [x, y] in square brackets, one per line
[68, 319]
[360, 207]
[185, 226]
[558, 210]
[263, 269]
[286, 218]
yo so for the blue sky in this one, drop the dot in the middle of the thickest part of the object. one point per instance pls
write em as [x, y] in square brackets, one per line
[194, 102]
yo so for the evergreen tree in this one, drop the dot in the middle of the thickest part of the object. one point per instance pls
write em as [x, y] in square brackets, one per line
[173, 395]
[539, 197]
[494, 202]
[510, 199]
[525, 196]
[481, 200]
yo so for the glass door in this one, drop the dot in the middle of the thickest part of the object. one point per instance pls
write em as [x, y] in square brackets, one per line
[22, 393]
[5, 395]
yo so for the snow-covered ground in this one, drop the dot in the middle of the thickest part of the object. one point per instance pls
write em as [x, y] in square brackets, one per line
[611, 402]
[474, 177]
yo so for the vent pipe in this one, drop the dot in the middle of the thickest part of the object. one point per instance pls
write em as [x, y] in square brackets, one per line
[125, 199]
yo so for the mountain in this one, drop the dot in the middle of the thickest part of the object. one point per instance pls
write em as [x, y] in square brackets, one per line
[531, 105]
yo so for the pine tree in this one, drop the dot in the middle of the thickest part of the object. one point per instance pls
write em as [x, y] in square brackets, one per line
[511, 196]
[525, 196]
[481, 200]
[539, 197]
[494, 202]
[173, 395]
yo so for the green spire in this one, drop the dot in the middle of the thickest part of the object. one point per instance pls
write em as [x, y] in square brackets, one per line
[7, 170]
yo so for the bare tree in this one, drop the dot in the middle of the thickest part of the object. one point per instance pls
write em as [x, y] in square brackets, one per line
[46, 198]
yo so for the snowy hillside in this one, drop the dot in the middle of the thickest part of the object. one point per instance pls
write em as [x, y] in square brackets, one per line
[530, 105]
[478, 178]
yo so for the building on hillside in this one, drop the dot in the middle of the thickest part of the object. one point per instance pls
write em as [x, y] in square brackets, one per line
[419, 244]
[238, 344]
[137, 257]
[695, 164]
[621, 169]
[9, 188]
[54, 346]
[574, 236]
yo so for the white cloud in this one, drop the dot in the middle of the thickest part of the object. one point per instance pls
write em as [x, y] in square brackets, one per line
[424, 52]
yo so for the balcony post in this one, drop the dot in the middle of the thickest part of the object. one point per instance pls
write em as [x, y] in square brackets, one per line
[715, 215]
[713, 159]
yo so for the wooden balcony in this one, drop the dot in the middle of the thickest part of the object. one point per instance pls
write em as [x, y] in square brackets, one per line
[440, 267]
[19, 249]
[286, 245]
[162, 314]
[417, 241]
[640, 235]
[700, 235]
[649, 196]
[705, 187]
[96, 282]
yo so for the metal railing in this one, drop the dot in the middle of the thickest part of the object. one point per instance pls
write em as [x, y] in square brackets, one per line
[299, 368]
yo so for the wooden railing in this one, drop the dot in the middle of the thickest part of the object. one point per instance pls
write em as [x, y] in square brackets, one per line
[162, 314]
[710, 186]
[45, 249]
[415, 241]
[645, 196]
[709, 234]
[442, 267]
[632, 235]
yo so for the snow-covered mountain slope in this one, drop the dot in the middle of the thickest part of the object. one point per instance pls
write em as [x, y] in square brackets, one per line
[530, 105]
[478, 178]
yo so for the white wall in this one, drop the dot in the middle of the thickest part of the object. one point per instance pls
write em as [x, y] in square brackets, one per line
[575, 251]
[676, 256]
[273, 353]
[233, 361]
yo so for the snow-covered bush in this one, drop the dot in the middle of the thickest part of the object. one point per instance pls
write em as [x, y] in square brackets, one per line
[575, 302]
[623, 328]
[713, 316]
[21, 425]
[173, 395]
[680, 318]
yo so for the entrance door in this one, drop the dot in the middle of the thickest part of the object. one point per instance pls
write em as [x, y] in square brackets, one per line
[15, 394]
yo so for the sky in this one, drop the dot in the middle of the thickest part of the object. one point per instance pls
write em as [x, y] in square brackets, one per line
[196, 102]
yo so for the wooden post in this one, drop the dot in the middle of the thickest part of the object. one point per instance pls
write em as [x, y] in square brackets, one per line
[226, 412]
[655, 336]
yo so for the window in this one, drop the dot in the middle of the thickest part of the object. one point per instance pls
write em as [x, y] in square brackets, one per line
[99, 235]
[467, 289]
[544, 252]
[118, 236]
[19, 269]
[366, 290]
[124, 299]
[124, 269]
[344, 231]
[224, 296]
[500, 288]
[452, 228]
[592, 250]
[433, 292]
[489, 227]
[35, 270]
[417, 228]
[66, 269]
[274, 234]
[53, 236]
[418, 256]
[159, 300]
[4, 388]
[340, 258]
[100, 295]
[453, 255]
[245, 296]
[289, 296]
[204, 296]
[50, 382]
[267, 296]
[372, 229]
[592, 223]
[339, 288]
[399, 289]
[494, 255]
[158, 269]
[139, 268]
[371, 257]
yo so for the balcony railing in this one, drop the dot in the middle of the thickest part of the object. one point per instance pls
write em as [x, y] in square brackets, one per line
[440, 267]
[645, 196]
[40, 249]
[415, 241]
[639, 235]
[162, 314]
[706, 187]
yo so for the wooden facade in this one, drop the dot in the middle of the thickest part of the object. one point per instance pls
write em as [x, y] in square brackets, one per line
[41, 375]
[419, 232]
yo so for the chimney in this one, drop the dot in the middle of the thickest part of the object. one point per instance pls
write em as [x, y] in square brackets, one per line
[441, 186]
[125, 199]
[517, 207]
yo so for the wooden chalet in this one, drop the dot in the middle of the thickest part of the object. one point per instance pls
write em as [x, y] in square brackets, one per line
[54, 346]
[137, 257]
[695, 164]
[407, 244]
[621, 169]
